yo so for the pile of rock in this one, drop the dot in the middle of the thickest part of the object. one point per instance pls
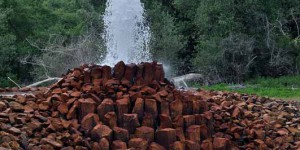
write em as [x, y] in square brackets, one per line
[133, 107]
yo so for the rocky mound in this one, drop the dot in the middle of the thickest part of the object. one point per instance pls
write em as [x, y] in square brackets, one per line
[133, 107]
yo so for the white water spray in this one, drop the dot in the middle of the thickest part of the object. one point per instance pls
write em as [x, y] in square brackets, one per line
[126, 33]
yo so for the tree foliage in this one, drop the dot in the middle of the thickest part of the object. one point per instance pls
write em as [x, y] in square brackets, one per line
[230, 40]
[28, 27]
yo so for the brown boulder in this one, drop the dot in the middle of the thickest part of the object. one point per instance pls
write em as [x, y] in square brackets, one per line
[138, 143]
[119, 70]
[146, 133]
[130, 122]
[118, 145]
[89, 122]
[101, 131]
[139, 108]
[120, 134]
[155, 146]
[104, 144]
[165, 137]
[107, 105]
[221, 144]
[86, 106]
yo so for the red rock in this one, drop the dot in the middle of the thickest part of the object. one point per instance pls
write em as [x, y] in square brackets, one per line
[165, 137]
[221, 144]
[106, 72]
[130, 71]
[193, 133]
[57, 124]
[15, 106]
[260, 134]
[159, 74]
[177, 146]
[146, 133]
[63, 108]
[138, 143]
[75, 83]
[96, 73]
[2, 106]
[203, 106]
[283, 131]
[89, 121]
[87, 88]
[87, 75]
[80, 148]
[148, 120]
[14, 131]
[76, 73]
[120, 134]
[188, 120]
[130, 122]
[176, 108]
[21, 99]
[122, 108]
[119, 70]
[165, 121]
[180, 134]
[67, 148]
[236, 112]
[151, 107]
[71, 101]
[106, 106]
[110, 119]
[221, 120]
[187, 106]
[65, 123]
[76, 94]
[43, 106]
[51, 142]
[207, 145]
[72, 114]
[117, 145]
[139, 108]
[56, 97]
[56, 91]
[149, 71]
[164, 108]
[101, 131]
[155, 146]
[205, 132]
[96, 146]
[139, 75]
[177, 122]
[86, 106]
[104, 144]
[191, 145]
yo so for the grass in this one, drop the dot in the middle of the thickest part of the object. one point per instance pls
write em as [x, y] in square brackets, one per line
[286, 87]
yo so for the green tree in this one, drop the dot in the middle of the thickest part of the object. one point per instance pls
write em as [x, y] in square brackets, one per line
[7, 48]
[28, 27]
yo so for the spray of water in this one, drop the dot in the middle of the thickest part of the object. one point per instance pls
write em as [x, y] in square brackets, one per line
[126, 33]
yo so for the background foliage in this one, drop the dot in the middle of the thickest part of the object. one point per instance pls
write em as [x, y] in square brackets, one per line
[32, 31]
[228, 40]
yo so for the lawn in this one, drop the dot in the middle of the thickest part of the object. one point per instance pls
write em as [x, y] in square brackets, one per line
[286, 87]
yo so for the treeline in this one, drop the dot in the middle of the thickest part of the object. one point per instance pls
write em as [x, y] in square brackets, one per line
[38, 38]
[228, 40]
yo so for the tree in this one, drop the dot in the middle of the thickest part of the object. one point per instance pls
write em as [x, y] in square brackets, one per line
[7, 48]
[30, 25]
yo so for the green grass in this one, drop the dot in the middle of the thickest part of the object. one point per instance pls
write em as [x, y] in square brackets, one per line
[286, 87]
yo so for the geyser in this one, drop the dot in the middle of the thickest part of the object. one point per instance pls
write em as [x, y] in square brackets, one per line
[126, 32]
